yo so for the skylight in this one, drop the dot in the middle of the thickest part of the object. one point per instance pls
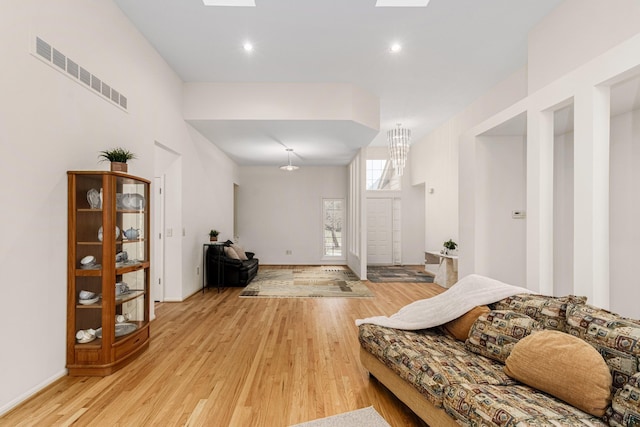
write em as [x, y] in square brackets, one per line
[237, 3]
[402, 3]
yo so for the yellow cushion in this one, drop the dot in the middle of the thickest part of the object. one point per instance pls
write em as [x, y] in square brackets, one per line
[459, 328]
[563, 366]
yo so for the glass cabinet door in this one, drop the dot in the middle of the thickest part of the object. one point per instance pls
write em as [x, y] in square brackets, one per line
[88, 258]
[131, 278]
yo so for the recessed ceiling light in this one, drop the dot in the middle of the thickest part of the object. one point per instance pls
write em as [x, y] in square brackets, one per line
[402, 3]
[237, 3]
[396, 47]
[248, 47]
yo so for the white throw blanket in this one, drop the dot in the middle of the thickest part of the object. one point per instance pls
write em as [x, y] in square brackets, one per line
[470, 291]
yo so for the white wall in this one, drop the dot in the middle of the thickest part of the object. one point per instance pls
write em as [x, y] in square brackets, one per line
[587, 87]
[50, 124]
[280, 211]
[434, 161]
[574, 33]
[625, 212]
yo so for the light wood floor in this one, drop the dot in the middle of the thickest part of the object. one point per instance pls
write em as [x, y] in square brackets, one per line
[220, 360]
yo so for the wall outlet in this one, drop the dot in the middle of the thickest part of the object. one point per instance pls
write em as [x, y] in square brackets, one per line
[197, 271]
[288, 252]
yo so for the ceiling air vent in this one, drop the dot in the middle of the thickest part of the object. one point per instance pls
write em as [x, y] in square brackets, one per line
[52, 56]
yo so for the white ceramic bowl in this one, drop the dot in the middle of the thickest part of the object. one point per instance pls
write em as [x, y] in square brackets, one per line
[88, 260]
[86, 295]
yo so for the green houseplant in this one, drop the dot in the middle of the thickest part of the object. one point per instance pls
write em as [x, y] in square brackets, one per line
[449, 246]
[213, 235]
[118, 158]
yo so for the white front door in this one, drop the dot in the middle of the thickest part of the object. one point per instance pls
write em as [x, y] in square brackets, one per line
[380, 231]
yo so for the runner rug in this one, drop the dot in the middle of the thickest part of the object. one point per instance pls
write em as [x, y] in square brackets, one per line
[362, 417]
[311, 282]
[397, 273]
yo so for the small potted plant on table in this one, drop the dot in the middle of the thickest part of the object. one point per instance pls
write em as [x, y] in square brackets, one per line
[118, 158]
[449, 247]
[213, 235]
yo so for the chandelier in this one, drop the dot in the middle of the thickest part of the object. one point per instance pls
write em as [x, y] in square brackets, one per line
[289, 167]
[399, 140]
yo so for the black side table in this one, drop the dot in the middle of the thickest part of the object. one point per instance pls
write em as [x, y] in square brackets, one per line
[219, 277]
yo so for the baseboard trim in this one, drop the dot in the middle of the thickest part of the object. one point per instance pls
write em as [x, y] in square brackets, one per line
[32, 392]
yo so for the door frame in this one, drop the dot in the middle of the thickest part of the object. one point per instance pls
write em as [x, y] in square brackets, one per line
[158, 239]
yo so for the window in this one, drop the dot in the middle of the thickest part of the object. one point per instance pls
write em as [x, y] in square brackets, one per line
[333, 227]
[381, 175]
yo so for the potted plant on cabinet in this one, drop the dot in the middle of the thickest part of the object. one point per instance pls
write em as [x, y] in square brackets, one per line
[449, 247]
[118, 158]
[213, 235]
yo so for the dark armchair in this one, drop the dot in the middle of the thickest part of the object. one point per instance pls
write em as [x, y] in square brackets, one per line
[234, 272]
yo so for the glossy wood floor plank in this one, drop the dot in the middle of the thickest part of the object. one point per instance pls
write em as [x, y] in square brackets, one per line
[217, 359]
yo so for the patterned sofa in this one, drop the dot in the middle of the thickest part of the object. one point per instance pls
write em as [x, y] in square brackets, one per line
[527, 360]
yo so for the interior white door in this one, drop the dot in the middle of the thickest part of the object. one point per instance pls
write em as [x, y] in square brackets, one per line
[380, 231]
[157, 288]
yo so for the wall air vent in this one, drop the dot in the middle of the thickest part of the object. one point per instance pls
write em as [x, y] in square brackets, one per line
[52, 56]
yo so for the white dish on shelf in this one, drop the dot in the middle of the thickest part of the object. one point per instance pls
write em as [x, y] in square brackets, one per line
[84, 336]
[89, 301]
[133, 201]
[121, 329]
[100, 233]
[87, 294]
[88, 260]
[86, 340]
[93, 197]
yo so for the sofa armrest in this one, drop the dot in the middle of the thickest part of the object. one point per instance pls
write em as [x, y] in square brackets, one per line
[231, 261]
[625, 407]
[250, 255]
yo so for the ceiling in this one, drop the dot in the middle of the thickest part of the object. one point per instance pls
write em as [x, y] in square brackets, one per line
[452, 52]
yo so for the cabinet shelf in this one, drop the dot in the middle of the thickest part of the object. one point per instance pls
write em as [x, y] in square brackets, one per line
[80, 272]
[130, 296]
[129, 268]
[106, 354]
[95, 344]
[120, 299]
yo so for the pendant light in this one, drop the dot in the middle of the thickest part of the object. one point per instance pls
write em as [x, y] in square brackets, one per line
[289, 167]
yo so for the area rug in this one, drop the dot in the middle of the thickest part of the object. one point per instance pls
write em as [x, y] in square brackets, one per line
[359, 418]
[397, 273]
[306, 283]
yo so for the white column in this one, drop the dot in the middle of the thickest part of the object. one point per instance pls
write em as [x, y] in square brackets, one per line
[540, 201]
[591, 195]
[467, 205]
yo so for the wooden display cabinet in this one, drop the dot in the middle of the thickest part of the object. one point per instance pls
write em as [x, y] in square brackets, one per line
[108, 245]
